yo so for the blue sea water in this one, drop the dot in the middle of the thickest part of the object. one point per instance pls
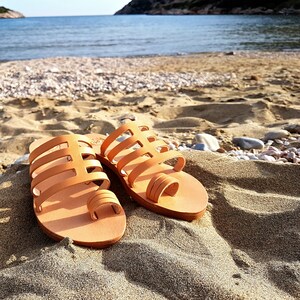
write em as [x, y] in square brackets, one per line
[110, 36]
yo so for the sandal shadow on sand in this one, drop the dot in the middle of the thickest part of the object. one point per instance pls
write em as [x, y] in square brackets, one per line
[70, 193]
[139, 161]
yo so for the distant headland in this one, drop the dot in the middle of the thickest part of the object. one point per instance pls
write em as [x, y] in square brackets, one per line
[204, 7]
[6, 13]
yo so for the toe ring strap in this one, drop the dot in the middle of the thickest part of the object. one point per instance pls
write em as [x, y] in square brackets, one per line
[100, 198]
[159, 184]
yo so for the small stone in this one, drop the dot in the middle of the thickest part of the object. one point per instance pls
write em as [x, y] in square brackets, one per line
[293, 128]
[201, 147]
[27, 69]
[282, 159]
[21, 160]
[172, 146]
[291, 155]
[269, 143]
[99, 71]
[183, 148]
[271, 152]
[243, 157]
[123, 138]
[280, 142]
[221, 150]
[267, 157]
[292, 149]
[273, 135]
[254, 77]
[296, 160]
[247, 143]
[208, 140]
[127, 117]
[252, 156]
[54, 70]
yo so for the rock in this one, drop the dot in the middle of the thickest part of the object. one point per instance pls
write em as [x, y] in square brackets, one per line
[243, 157]
[127, 117]
[266, 157]
[247, 143]
[6, 13]
[54, 70]
[278, 134]
[252, 156]
[99, 71]
[221, 150]
[21, 160]
[201, 147]
[192, 7]
[208, 140]
[293, 128]
[282, 159]
[254, 77]
[280, 142]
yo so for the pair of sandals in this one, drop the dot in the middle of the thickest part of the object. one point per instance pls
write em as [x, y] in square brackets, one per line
[70, 189]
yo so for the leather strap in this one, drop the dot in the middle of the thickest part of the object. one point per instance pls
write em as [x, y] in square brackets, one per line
[159, 184]
[78, 169]
[155, 160]
[100, 198]
[131, 127]
[148, 146]
[56, 141]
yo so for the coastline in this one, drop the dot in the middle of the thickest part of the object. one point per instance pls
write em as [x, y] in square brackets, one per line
[247, 244]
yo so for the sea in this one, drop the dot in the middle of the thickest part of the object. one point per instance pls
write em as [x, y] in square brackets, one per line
[143, 35]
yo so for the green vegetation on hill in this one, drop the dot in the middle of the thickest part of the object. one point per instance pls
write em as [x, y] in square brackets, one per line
[211, 7]
[3, 10]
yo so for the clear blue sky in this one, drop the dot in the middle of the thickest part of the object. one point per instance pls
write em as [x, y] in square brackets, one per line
[32, 8]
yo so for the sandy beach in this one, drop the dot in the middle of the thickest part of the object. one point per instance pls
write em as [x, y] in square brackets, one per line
[246, 246]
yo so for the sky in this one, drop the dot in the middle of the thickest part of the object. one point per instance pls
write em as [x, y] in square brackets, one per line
[37, 8]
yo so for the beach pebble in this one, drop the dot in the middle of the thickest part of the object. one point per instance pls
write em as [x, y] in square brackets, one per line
[54, 70]
[278, 134]
[123, 137]
[208, 140]
[126, 117]
[267, 157]
[291, 155]
[247, 143]
[252, 156]
[243, 157]
[280, 142]
[293, 128]
[99, 71]
[172, 146]
[296, 160]
[201, 147]
[21, 159]
[282, 159]
[183, 147]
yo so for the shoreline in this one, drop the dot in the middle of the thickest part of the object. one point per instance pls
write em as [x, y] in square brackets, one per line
[187, 54]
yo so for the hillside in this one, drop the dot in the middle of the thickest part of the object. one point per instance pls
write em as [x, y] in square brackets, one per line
[6, 13]
[188, 7]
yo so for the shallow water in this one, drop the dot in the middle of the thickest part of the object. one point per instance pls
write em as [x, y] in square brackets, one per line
[102, 36]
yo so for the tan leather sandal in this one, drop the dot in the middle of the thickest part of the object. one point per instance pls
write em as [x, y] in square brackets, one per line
[139, 162]
[70, 192]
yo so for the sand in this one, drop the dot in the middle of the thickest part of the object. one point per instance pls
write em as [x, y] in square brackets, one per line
[246, 246]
